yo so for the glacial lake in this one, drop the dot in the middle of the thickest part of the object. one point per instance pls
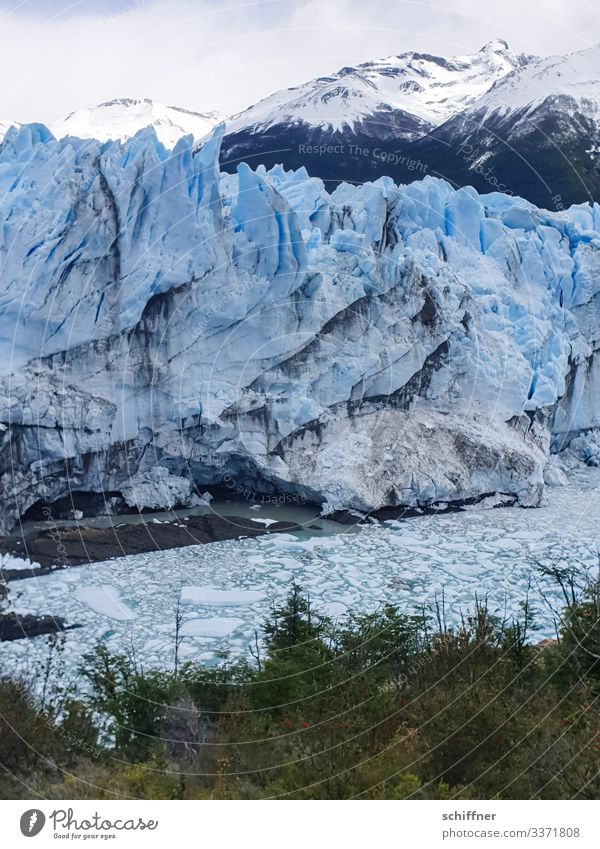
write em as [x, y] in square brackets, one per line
[226, 588]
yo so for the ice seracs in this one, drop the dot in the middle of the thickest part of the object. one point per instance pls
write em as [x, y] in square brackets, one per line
[166, 328]
[5, 126]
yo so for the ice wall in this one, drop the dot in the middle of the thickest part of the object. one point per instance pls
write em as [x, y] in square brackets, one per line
[164, 327]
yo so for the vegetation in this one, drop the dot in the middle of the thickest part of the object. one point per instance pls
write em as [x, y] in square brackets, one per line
[384, 706]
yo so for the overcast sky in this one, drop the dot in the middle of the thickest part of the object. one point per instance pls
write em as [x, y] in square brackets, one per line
[56, 55]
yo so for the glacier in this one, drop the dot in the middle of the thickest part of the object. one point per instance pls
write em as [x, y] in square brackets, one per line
[165, 327]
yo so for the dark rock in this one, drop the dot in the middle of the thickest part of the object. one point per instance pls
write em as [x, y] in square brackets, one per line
[346, 517]
[15, 627]
[403, 512]
[60, 547]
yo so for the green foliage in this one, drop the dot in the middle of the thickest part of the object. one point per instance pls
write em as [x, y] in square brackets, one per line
[580, 638]
[383, 705]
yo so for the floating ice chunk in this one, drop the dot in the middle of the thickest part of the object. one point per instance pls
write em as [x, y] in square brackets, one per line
[463, 570]
[282, 576]
[491, 501]
[216, 627]
[220, 598]
[70, 576]
[8, 561]
[528, 535]
[278, 541]
[289, 562]
[335, 608]
[106, 601]
[508, 545]
[287, 542]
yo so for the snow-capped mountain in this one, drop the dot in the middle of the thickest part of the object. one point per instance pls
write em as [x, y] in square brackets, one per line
[495, 120]
[426, 89]
[575, 77]
[374, 107]
[536, 132]
[121, 119]
[374, 346]
[525, 125]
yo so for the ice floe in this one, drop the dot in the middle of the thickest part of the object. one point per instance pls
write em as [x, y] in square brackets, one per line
[220, 598]
[213, 627]
[105, 600]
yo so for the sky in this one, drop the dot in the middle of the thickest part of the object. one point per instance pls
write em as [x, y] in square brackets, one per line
[59, 55]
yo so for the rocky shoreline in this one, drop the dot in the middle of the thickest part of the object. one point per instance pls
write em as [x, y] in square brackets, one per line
[59, 546]
[15, 627]
[385, 514]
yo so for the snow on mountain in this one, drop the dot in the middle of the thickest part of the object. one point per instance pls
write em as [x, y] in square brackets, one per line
[360, 123]
[376, 346]
[536, 133]
[428, 88]
[121, 119]
[575, 76]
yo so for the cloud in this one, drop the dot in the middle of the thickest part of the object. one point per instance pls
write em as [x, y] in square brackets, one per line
[58, 56]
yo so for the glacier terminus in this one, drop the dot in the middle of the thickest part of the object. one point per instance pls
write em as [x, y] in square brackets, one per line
[167, 328]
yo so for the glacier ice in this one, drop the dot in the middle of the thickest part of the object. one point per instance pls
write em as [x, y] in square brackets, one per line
[164, 326]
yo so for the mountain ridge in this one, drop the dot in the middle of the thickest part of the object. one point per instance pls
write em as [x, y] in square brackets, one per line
[427, 88]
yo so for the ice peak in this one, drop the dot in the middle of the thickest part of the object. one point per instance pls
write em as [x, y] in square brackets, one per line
[5, 126]
[575, 75]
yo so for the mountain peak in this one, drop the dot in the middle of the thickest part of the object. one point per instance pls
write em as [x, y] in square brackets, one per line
[575, 76]
[497, 45]
[122, 117]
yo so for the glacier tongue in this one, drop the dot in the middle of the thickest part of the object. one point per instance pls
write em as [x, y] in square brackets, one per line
[165, 326]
